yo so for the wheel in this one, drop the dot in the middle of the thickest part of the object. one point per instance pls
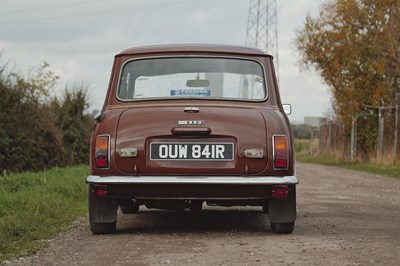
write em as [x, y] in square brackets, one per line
[102, 214]
[195, 206]
[103, 228]
[282, 228]
[265, 208]
[130, 208]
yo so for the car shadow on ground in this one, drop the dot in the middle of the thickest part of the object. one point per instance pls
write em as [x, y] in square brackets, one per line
[224, 220]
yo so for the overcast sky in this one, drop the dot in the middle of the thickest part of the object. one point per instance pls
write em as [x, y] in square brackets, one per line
[80, 38]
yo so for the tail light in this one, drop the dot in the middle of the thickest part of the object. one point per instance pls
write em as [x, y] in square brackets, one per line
[281, 152]
[102, 152]
[100, 191]
[280, 192]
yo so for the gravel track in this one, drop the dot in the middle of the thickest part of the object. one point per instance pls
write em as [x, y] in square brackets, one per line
[344, 218]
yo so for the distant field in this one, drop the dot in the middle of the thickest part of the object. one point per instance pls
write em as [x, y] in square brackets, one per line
[303, 155]
[36, 206]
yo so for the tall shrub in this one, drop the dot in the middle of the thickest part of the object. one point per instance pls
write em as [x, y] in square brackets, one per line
[29, 138]
[37, 131]
[75, 123]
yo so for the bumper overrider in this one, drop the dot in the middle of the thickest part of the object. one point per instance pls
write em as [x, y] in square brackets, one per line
[191, 187]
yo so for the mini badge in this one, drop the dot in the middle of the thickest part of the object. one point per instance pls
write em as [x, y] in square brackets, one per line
[191, 122]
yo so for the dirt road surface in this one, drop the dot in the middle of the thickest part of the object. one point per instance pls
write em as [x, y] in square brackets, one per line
[344, 218]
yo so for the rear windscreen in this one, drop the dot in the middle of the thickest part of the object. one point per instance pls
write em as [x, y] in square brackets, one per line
[192, 77]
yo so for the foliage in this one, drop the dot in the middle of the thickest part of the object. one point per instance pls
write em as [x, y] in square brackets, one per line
[35, 132]
[355, 46]
[74, 123]
[27, 125]
[36, 206]
[302, 147]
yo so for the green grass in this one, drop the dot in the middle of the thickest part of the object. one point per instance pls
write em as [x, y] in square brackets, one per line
[390, 171]
[302, 147]
[37, 206]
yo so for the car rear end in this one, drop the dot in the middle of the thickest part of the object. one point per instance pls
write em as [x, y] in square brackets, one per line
[188, 125]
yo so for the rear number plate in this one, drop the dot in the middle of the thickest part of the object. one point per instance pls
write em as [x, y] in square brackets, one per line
[191, 151]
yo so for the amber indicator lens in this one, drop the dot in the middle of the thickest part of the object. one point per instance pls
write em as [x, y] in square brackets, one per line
[281, 143]
[102, 151]
[102, 142]
[281, 152]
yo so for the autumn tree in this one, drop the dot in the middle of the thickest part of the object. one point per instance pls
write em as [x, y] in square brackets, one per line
[355, 46]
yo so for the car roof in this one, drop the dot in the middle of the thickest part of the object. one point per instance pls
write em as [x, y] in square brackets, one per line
[194, 48]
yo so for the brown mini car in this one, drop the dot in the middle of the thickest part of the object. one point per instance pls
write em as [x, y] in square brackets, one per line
[187, 125]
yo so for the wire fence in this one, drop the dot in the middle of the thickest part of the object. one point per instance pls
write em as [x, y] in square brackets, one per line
[373, 136]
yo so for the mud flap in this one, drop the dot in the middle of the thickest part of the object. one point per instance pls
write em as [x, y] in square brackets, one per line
[283, 210]
[102, 210]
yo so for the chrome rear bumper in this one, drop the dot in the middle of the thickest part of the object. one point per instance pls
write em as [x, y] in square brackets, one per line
[228, 180]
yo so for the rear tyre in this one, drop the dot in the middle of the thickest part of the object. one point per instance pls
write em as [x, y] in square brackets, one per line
[103, 228]
[102, 214]
[282, 228]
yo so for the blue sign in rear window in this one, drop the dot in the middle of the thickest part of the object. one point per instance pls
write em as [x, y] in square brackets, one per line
[190, 92]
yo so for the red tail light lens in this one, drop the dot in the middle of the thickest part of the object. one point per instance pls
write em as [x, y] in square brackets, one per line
[100, 191]
[280, 192]
[281, 152]
[102, 152]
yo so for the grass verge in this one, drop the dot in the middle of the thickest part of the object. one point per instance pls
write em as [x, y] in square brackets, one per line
[37, 206]
[389, 168]
[389, 171]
